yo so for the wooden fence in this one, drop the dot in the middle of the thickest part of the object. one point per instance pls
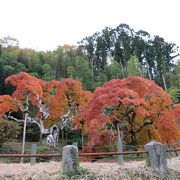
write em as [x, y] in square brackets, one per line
[82, 154]
[70, 157]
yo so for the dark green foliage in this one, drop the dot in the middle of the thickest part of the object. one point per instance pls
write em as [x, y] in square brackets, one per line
[175, 93]
[175, 76]
[32, 133]
[178, 96]
[155, 55]
[71, 136]
[133, 67]
[98, 58]
[8, 130]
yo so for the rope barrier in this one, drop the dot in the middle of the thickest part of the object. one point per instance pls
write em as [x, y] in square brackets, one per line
[30, 155]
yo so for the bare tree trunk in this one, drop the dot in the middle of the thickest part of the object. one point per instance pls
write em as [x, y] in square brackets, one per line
[40, 137]
[148, 72]
[120, 144]
[26, 107]
[42, 131]
[82, 137]
[92, 66]
[119, 135]
[164, 82]
[122, 69]
[62, 135]
[24, 136]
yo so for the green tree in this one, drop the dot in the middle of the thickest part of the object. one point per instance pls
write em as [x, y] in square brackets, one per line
[83, 72]
[115, 70]
[175, 93]
[164, 53]
[47, 72]
[142, 49]
[134, 67]
[175, 76]
[71, 72]
[154, 54]
[9, 41]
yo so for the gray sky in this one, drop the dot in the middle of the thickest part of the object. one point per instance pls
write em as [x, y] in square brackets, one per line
[45, 24]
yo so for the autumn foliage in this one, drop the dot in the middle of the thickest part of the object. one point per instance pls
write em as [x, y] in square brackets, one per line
[137, 107]
[7, 104]
[177, 114]
[54, 97]
[141, 109]
[25, 85]
[68, 95]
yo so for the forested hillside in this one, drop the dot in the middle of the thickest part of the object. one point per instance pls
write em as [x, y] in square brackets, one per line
[109, 54]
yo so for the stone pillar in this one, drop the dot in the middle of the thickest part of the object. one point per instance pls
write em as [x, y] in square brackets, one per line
[33, 151]
[120, 149]
[70, 161]
[156, 156]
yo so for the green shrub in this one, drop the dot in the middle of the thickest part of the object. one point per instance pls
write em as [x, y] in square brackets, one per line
[32, 133]
[8, 130]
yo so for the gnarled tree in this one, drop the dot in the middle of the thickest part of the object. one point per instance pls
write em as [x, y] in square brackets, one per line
[137, 108]
[68, 99]
[42, 103]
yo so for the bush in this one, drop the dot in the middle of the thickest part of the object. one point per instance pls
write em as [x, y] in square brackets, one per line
[32, 133]
[8, 130]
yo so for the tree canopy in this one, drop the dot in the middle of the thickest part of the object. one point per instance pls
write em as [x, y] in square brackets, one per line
[94, 85]
[47, 101]
[98, 58]
[141, 109]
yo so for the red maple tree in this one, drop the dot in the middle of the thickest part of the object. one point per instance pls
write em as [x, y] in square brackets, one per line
[177, 114]
[29, 90]
[50, 100]
[137, 108]
[68, 98]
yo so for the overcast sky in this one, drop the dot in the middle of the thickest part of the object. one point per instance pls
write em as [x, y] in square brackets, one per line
[45, 24]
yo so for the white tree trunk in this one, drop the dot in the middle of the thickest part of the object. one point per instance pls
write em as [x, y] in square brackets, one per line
[164, 82]
[26, 107]
[82, 137]
[122, 69]
[119, 136]
[148, 72]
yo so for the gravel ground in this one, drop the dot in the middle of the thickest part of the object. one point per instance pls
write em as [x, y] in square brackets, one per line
[51, 170]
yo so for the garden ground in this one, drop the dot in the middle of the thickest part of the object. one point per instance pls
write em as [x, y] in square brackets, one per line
[51, 170]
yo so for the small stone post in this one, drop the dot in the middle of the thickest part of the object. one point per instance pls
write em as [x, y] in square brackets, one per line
[70, 161]
[33, 151]
[120, 149]
[156, 156]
